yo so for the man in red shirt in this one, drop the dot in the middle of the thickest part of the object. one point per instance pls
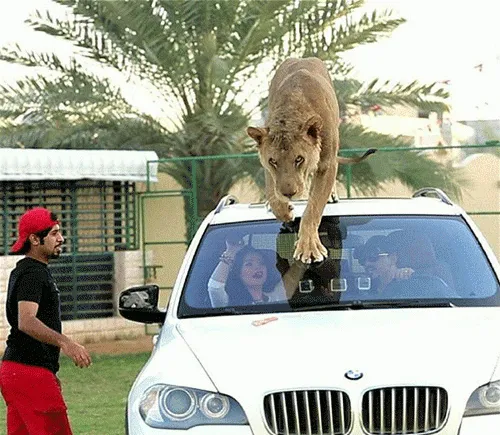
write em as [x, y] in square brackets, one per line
[28, 381]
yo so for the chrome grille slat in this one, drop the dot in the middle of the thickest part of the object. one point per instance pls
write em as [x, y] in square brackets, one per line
[296, 410]
[274, 423]
[330, 413]
[318, 410]
[308, 412]
[370, 411]
[438, 407]
[382, 416]
[285, 414]
[405, 407]
[426, 413]
[415, 410]
[404, 410]
[393, 411]
[343, 426]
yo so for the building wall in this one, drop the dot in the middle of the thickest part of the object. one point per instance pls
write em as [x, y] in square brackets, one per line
[483, 193]
[164, 232]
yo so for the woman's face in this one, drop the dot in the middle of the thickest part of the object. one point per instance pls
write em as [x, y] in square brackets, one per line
[253, 270]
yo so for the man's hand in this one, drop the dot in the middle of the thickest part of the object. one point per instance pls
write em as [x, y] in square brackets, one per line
[77, 353]
[404, 273]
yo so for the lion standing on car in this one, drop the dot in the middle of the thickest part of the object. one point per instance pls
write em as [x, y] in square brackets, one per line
[300, 140]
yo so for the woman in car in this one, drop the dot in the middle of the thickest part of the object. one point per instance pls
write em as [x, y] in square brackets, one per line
[245, 276]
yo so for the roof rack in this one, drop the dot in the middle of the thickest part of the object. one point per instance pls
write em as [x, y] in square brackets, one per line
[226, 200]
[433, 191]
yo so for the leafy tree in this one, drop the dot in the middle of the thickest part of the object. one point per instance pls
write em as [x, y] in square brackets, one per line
[203, 58]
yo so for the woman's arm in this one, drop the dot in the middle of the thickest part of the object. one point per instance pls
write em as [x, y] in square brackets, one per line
[217, 282]
[223, 268]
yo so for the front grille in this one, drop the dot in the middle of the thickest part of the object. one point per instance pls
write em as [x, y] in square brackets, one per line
[311, 412]
[408, 410]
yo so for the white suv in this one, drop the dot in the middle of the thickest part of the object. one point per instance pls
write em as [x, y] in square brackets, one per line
[392, 334]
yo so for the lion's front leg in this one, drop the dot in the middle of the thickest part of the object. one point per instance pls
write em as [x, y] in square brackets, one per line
[283, 210]
[309, 247]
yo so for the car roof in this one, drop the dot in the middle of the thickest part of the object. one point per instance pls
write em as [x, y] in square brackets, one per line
[245, 212]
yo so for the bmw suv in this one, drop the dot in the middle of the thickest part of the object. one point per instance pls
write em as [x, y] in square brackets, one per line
[391, 334]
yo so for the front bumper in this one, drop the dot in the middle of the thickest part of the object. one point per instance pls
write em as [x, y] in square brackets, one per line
[139, 428]
[483, 425]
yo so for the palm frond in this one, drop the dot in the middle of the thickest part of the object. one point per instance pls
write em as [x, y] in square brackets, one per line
[423, 96]
[415, 169]
[127, 132]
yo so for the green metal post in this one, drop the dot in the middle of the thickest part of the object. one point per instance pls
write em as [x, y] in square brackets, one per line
[148, 181]
[194, 187]
[5, 221]
[348, 180]
[126, 195]
[74, 247]
[142, 200]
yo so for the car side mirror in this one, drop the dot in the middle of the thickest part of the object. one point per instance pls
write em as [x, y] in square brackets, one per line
[140, 304]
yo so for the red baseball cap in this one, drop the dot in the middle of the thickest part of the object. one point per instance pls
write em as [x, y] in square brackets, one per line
[34, 220]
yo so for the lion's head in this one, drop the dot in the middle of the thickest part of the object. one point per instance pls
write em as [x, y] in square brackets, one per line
[290, 154]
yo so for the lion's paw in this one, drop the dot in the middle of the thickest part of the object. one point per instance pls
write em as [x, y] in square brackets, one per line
[309, 248]
[282, 210]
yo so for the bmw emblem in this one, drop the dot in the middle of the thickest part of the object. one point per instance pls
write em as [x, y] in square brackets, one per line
[353, 375]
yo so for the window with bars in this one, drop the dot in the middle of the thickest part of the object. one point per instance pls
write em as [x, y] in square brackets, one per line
[95, 216]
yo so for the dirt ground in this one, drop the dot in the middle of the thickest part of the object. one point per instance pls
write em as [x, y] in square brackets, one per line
[136, 345]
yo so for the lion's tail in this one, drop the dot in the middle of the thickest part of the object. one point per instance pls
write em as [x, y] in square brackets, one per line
[345, 160]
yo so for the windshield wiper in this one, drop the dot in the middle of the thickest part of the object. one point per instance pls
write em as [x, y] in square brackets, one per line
[227, 311]
[366, 305]
[220, 311]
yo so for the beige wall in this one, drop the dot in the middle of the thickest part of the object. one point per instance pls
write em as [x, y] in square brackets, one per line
[483, 194]
[480, 193]
[164, 223]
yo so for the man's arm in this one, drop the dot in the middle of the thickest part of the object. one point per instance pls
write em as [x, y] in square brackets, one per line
[32, 326]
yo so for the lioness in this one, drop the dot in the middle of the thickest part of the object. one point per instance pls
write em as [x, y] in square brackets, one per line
[301, 139]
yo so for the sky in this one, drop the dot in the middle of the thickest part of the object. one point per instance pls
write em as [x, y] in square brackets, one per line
[442, 40]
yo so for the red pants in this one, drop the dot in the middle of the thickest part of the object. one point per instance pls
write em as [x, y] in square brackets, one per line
[35, 405]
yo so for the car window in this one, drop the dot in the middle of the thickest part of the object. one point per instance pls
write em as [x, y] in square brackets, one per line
[249, 267]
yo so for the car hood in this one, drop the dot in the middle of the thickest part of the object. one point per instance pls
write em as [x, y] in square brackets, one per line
[316, 349]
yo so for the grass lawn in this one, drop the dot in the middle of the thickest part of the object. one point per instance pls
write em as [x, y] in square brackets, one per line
[96, 396]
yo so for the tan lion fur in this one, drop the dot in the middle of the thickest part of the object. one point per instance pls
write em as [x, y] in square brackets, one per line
[300, 142]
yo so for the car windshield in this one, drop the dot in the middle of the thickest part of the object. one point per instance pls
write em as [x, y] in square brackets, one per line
[372, 262]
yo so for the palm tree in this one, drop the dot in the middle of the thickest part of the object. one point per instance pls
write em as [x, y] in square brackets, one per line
[202, 58]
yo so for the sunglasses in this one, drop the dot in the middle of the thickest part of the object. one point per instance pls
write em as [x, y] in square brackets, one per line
[372, 258]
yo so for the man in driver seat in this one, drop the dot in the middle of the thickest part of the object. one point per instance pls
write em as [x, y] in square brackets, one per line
[380, 259]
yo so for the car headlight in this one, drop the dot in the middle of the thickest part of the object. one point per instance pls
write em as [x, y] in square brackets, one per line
[173, 407]
[485, 400]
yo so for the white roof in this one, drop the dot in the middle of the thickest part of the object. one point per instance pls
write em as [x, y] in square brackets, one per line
[345, 207]
[55, 164]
